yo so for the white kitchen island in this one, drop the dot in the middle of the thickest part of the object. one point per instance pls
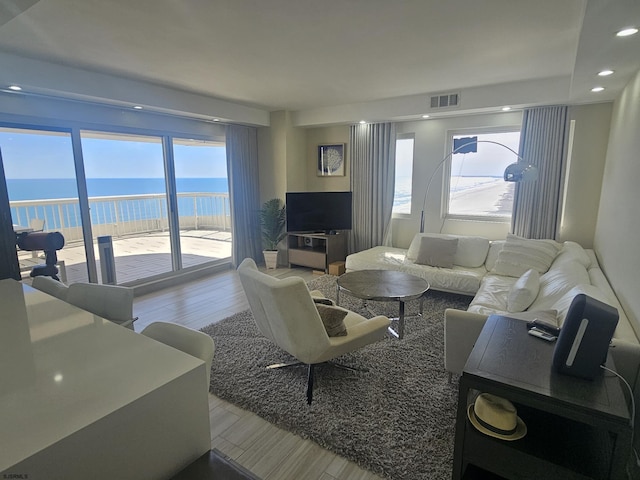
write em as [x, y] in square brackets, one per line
[83, 398]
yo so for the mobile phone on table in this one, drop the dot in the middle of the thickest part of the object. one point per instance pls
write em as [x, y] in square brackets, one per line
[539, 333]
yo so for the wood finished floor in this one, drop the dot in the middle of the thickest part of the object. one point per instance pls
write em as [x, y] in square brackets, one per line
[266, 450]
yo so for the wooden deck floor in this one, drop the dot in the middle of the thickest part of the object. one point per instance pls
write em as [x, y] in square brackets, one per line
[266, 450]
[146, 255]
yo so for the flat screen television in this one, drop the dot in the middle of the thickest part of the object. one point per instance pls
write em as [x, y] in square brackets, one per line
[323, 212]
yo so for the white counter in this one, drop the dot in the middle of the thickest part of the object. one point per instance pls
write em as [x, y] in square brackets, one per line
[81, 397]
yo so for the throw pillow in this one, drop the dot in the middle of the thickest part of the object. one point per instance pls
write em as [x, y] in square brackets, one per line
[437, 252]
[523, 292]
[333, 319]
[521, 254]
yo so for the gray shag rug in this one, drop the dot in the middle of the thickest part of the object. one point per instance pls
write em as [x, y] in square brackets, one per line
[395, 418]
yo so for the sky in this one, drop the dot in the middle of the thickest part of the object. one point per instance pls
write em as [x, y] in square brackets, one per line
[35, 155]
[490, 159]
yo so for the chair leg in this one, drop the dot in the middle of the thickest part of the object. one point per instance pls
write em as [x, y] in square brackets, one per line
[310, 385]
[342, 366]
[284, 365]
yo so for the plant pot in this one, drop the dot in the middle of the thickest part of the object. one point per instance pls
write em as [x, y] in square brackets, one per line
[270, 258]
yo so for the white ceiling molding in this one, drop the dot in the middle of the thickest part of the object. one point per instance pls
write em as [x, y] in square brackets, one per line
[48, 79]
[546, 91]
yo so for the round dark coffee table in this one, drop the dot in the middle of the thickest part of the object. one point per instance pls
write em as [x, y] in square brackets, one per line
[384, 286]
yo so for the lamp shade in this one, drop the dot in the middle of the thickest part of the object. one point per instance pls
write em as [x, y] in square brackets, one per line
[520, 172]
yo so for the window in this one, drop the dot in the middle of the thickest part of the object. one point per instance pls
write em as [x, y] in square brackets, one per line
[476, 185]
[404, 172]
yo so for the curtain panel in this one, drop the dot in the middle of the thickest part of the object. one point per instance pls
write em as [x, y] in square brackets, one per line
[543, 143]
[244, 192]
[372, 153]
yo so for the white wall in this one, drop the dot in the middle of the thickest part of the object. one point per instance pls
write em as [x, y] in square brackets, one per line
[323, 136]
[618, 226]
[584, 172]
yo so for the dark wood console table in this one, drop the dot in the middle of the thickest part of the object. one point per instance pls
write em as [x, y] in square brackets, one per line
[576, 429]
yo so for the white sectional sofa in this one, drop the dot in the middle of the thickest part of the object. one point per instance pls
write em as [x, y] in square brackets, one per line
[464, 276]
[489, 271]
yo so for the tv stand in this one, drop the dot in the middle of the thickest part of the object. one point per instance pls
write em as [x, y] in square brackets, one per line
[316, 250]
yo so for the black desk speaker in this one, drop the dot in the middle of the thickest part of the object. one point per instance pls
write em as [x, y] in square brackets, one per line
[584, 339]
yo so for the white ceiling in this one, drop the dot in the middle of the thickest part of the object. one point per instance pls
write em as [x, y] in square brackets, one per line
[305, 55]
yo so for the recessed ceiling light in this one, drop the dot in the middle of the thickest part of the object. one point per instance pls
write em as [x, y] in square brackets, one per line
[605, 73]
[425, 116]
[15, 88]
[506, 109]
[137, 107]
[216, 119]
[362, 122]
[597, 89]
[627, 31]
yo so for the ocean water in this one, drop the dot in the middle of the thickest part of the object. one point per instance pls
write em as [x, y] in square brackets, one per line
[41, 189]
[106, 212]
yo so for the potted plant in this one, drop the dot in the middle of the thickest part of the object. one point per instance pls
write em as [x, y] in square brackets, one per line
[272, 221]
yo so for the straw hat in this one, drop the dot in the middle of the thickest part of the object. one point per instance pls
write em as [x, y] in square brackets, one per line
[496, 417]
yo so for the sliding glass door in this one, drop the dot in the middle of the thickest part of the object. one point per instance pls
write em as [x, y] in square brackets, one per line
[127, 194]
[203, 201]
[130, 180]
[43, 194]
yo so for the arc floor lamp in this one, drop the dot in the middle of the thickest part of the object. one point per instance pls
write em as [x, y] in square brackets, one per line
[520, 171]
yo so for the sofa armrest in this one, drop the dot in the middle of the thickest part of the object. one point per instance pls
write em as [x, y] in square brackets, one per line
[461, 330]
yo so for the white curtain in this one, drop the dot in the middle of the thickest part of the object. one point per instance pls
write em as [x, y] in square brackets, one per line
[543, 143]
[242, 170]
[372, 153]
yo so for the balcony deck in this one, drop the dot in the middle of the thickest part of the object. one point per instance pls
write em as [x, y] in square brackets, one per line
[146, 254]
[139, 228]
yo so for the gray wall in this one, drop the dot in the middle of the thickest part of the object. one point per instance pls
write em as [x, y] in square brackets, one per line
[618, 225]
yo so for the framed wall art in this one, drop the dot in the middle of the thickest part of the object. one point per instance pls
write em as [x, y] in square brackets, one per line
[331, 160]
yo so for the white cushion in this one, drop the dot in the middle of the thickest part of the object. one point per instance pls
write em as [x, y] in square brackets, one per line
[572, 251]
[561, 277]
[471, 252]
[523, 292]
[493, 292]
[520, 254]
[437, 252]
[494, 249]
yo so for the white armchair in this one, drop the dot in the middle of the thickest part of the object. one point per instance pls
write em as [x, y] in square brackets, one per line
[113, 302]
[285, 312]
[187, 340]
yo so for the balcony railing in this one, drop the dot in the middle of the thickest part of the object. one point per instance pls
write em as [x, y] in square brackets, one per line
[126, 215]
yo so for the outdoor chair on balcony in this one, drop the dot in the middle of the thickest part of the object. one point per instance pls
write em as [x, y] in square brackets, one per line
[285, 312]
[112, 302]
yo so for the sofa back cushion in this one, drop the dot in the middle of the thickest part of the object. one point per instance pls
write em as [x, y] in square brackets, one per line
[571, 251]
[471, 251]
[561, 277]
[521, 254]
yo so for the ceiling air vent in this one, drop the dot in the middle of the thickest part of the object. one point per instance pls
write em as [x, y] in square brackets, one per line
[445, 100]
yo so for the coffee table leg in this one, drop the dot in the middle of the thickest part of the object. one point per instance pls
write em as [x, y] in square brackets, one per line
[401, 320]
